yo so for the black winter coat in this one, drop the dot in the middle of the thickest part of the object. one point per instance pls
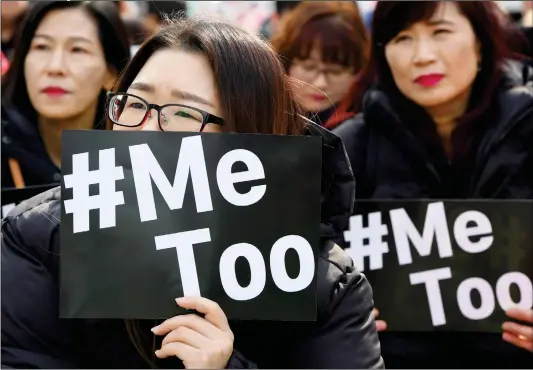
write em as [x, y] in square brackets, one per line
[390, 162]
[33, 336]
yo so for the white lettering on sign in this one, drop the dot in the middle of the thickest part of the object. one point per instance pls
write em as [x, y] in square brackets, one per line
[228, 274]
[146, 168]
[435, 227]
[463, 233]
[226, 179]
[191, 161]
[185, 241]
[367, 241]
[431, 280]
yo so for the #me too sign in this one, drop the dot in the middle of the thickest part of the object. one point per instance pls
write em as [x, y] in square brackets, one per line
[148, 217]
[445, 265]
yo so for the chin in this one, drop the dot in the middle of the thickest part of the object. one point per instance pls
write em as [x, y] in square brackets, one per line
[432, 100]
[56, 113]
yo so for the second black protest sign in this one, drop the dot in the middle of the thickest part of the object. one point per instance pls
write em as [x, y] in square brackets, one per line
[240, 227]
[452, 265]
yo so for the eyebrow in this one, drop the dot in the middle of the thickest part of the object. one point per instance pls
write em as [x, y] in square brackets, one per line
[440, 22]
[73, 38]
[142, 86]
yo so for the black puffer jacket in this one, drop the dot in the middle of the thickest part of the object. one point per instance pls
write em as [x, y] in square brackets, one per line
[389, 162]
[33, 336]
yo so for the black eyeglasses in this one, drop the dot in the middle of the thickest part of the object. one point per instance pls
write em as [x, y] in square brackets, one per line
[132, 111]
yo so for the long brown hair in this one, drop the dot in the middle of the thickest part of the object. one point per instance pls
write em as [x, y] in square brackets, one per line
[252, 85]
[391, 17]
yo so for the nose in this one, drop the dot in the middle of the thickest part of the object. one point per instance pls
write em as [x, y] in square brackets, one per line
[150, 123]
[424, 51]
[56, 64]
[320, 81]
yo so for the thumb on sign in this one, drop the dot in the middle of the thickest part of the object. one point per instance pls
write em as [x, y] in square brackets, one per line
[381, 325]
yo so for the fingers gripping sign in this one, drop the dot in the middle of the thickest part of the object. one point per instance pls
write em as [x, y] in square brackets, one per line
[200, 343]
[521, 335]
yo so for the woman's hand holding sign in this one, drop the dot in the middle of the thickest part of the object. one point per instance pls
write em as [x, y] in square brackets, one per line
[381, 325]
[517, 334]
[200, 343]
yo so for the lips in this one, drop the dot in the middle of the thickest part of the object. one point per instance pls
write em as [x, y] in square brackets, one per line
[54, 91]
[318, 97]
[429, 79]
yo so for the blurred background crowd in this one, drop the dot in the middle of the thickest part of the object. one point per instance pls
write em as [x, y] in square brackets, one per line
[336, 82]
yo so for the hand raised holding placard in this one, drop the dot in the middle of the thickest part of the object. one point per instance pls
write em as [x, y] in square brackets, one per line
[381, 325]
[517, 334]
[200, 343]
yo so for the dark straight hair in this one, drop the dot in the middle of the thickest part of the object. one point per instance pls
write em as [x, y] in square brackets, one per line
[252, 85]
[391, 17]
[113, 37]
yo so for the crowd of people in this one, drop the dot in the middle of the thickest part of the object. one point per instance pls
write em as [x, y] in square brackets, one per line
[430, 100]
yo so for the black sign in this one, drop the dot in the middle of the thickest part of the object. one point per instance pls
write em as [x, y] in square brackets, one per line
[148, 217]
[445, 265]
[13, 196]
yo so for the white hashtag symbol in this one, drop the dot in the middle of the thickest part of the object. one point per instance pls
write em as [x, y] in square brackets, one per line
[79, 181]
[374, 248]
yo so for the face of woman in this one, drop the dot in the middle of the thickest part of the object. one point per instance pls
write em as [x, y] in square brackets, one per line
[160, 82]
[434, 63]
[324, 84]
[65, 67]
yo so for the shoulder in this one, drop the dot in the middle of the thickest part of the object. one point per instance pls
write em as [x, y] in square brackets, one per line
[340, 284]
[351, 132]
[34, 222]
[351, 126]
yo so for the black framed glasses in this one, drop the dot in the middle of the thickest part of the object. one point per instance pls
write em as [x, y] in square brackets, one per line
[129, 110]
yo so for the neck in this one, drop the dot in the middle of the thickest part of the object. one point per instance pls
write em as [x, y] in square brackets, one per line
[50, 130]
[446, 118]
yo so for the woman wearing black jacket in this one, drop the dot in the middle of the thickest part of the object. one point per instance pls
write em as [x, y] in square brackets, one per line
[61, 69]
[212, 61]
[447, 115]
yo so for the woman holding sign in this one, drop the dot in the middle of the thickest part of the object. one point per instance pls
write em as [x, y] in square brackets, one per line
[446, 113]
[67, 57]
[193, 76]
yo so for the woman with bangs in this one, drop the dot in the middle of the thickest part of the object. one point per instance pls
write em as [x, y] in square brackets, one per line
[445, 111]
[323, 46]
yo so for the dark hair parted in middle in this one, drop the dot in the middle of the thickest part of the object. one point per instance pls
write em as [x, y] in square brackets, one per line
[392, 17]
[113, 38]
[334, 27]
[252, 85]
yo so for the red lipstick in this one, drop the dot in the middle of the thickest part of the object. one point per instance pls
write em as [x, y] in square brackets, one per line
[54, 91]
[429, 80]
[319, 97]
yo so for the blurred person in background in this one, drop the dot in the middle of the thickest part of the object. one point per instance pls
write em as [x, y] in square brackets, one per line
[323, 45]
[5, 64]
[153, 19]
[12, 14]
[67, 56]
[274, 23]
[527, 14]
[446, 112]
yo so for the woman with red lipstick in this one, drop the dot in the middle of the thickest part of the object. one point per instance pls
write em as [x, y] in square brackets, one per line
[445, 111]
[323, 46]
[68, 55]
